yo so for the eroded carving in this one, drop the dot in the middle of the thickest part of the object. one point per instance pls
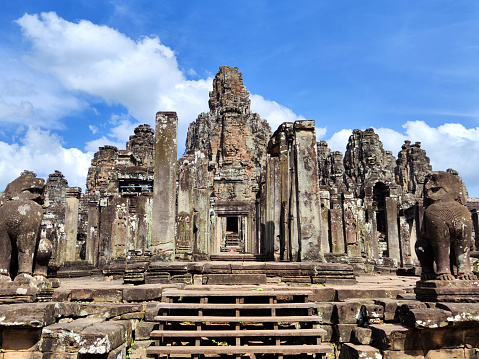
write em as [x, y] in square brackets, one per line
[447, 229]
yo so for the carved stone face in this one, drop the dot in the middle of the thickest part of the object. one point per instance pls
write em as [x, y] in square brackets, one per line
[27, 186]
[441, 186]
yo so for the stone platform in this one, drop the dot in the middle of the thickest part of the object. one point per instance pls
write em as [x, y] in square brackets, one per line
[239, 272]
[448, 291]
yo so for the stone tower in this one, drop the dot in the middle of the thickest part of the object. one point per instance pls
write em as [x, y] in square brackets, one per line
[225, 156]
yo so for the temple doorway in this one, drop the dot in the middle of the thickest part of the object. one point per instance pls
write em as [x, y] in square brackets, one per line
[232, 238]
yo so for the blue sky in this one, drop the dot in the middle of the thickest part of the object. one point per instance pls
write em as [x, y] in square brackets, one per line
[76, 75]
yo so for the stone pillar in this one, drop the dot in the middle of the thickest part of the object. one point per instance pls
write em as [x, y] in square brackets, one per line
[92, 237]
[71, 224]
[336, 226]
[405, 241]
[273, 207]
[392, 229]
[325, 205]
[307, 184]
[164, 190]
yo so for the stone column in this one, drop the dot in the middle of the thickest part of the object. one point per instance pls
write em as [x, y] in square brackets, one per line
[307, 184]
[273, 207]
[325, 205]
[392, 229]
[337, 234]
[164, 190]
[92, 237]
[71, 224]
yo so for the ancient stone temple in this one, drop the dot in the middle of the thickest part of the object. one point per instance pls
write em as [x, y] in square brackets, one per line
[239, 192]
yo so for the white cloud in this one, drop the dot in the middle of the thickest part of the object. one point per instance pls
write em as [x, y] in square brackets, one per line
[42, 152]
[93, 129]
[141, 75]
[272, 111]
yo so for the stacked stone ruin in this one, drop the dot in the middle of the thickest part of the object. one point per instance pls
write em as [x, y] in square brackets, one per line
[240, 191]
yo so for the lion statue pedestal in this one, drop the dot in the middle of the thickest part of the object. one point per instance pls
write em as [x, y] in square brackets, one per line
[23, 255]
[445, 243]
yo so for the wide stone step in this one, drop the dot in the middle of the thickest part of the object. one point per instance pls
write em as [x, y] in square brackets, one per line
[243, 319]
[237, 333]
[175, 293]
[231, 350]
[266, 306]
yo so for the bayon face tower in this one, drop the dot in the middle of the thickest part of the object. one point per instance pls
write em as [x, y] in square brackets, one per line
[219, 193]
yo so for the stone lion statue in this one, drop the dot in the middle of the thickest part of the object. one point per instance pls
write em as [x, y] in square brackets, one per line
[21, 214]
[446, 238]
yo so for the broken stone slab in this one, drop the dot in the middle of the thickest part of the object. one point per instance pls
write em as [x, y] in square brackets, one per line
[107, 311]
[426, 318]
[345, 293]
[103, 337]
[170, 267]
[142, 293]
[65, 337]
[97, 294]
[390, 336]
[11, 293]
[86, 336]
[35, 315]
[461, 312]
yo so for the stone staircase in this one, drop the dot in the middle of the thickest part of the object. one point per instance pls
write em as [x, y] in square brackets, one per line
[238, 323]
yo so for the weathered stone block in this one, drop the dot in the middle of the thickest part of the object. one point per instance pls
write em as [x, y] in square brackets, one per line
[143, 330]
[97, 295]
[21, 339]
[232, 279]
[390, 336]
[142, 293]
[354, 351]
[151, 312]
[65, 337]
[325, 312]
[35, 315]
[329, 332]
[391, 307]
[103, 337]
[343, 332]
[361, 336]
[426, 318]
[322, 294]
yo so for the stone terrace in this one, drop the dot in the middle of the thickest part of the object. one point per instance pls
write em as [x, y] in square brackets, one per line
[378, 317]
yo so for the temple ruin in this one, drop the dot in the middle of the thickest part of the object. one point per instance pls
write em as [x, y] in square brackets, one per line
[254, 244]
[240, 192]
